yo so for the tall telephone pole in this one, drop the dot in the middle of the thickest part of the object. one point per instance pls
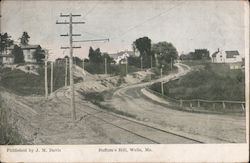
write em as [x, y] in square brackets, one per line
[51, 78]
[151, 61]
[105, 60]
[70, 16]
[141, 64]
[162, 90]
[126, 66]
[66, 72]
[46, 74]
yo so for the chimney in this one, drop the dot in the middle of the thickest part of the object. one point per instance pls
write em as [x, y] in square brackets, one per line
[218, 49]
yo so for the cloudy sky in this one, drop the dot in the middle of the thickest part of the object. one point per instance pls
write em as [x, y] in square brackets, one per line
[187, 24]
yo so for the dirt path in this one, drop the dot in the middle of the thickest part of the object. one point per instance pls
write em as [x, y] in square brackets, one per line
[204, 127]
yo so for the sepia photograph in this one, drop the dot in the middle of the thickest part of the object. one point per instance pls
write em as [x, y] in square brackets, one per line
[123, 73]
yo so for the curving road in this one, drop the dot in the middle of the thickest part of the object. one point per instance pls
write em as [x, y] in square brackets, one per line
[206, 128]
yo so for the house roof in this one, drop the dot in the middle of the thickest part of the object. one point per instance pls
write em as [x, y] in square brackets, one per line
[30, 46]
[231, 54]
[215, 53]
[116, 55]
[6, 55]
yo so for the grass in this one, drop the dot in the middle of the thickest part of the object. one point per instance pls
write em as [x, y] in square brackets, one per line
[96, 98]
[8, 134]
[23, 83]
[213, 82]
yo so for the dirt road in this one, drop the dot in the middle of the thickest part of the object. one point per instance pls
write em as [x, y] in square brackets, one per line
[203, 127]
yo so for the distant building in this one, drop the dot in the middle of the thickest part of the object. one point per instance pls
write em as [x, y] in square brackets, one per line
[121, 57]
[232, 58]
[226, 56]
[28, 52]
[6, 57]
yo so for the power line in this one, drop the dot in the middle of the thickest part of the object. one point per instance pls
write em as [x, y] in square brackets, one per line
[149, 19]
[92, 9]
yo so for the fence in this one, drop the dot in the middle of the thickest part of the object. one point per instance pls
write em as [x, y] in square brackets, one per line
[202, 105]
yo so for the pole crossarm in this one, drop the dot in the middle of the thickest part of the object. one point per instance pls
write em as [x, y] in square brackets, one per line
[67, 15]
[57, 22]
[72, 34]
[91, 40]
[75, 47]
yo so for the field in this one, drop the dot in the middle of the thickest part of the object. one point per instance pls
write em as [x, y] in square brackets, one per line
[23, 83]
[209, 81]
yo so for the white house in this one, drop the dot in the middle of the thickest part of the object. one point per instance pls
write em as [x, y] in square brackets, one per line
[121, 57]
[232, 58]
[28, 52]
[226, 56]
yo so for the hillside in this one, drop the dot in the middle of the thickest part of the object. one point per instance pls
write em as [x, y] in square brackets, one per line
[208, 81]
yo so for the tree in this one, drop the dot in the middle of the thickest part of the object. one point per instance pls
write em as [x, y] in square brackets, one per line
[201, 54]
[165, 52]
[39, 55]
[24, 39]
[143, 45]
[198, 54]
[18, 54]
[109, 59]
[5, 41]
[77, 61]
[95, 55]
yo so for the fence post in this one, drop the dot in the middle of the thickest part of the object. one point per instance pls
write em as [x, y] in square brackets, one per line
[191, 105]
[242, 107]
[223, 105]
[213, 105]
[181, 102]
[199, 105]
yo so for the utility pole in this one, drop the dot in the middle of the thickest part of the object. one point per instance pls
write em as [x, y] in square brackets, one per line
[171, 66]
[162, 90]
[72, 102]
[83, 64]
[141, 64]
[46, 74]
[66, 72]
[105, 62]
[126, 66]
[51, 78]
[151, 59]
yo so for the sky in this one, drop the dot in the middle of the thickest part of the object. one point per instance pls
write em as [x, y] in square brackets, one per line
[188, 25]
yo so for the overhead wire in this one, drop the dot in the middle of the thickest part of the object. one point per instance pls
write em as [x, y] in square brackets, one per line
[149, 19]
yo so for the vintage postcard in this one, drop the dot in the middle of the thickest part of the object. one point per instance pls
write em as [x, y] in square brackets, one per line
[124, 81]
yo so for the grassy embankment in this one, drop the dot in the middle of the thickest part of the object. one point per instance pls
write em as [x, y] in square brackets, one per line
[23, 83]
[209, 82]
[8, 134]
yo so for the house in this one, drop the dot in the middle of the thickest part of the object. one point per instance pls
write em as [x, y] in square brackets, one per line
[7, 57]
[226, 56]
[29, 51]
[232, 58]
[121, 57]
